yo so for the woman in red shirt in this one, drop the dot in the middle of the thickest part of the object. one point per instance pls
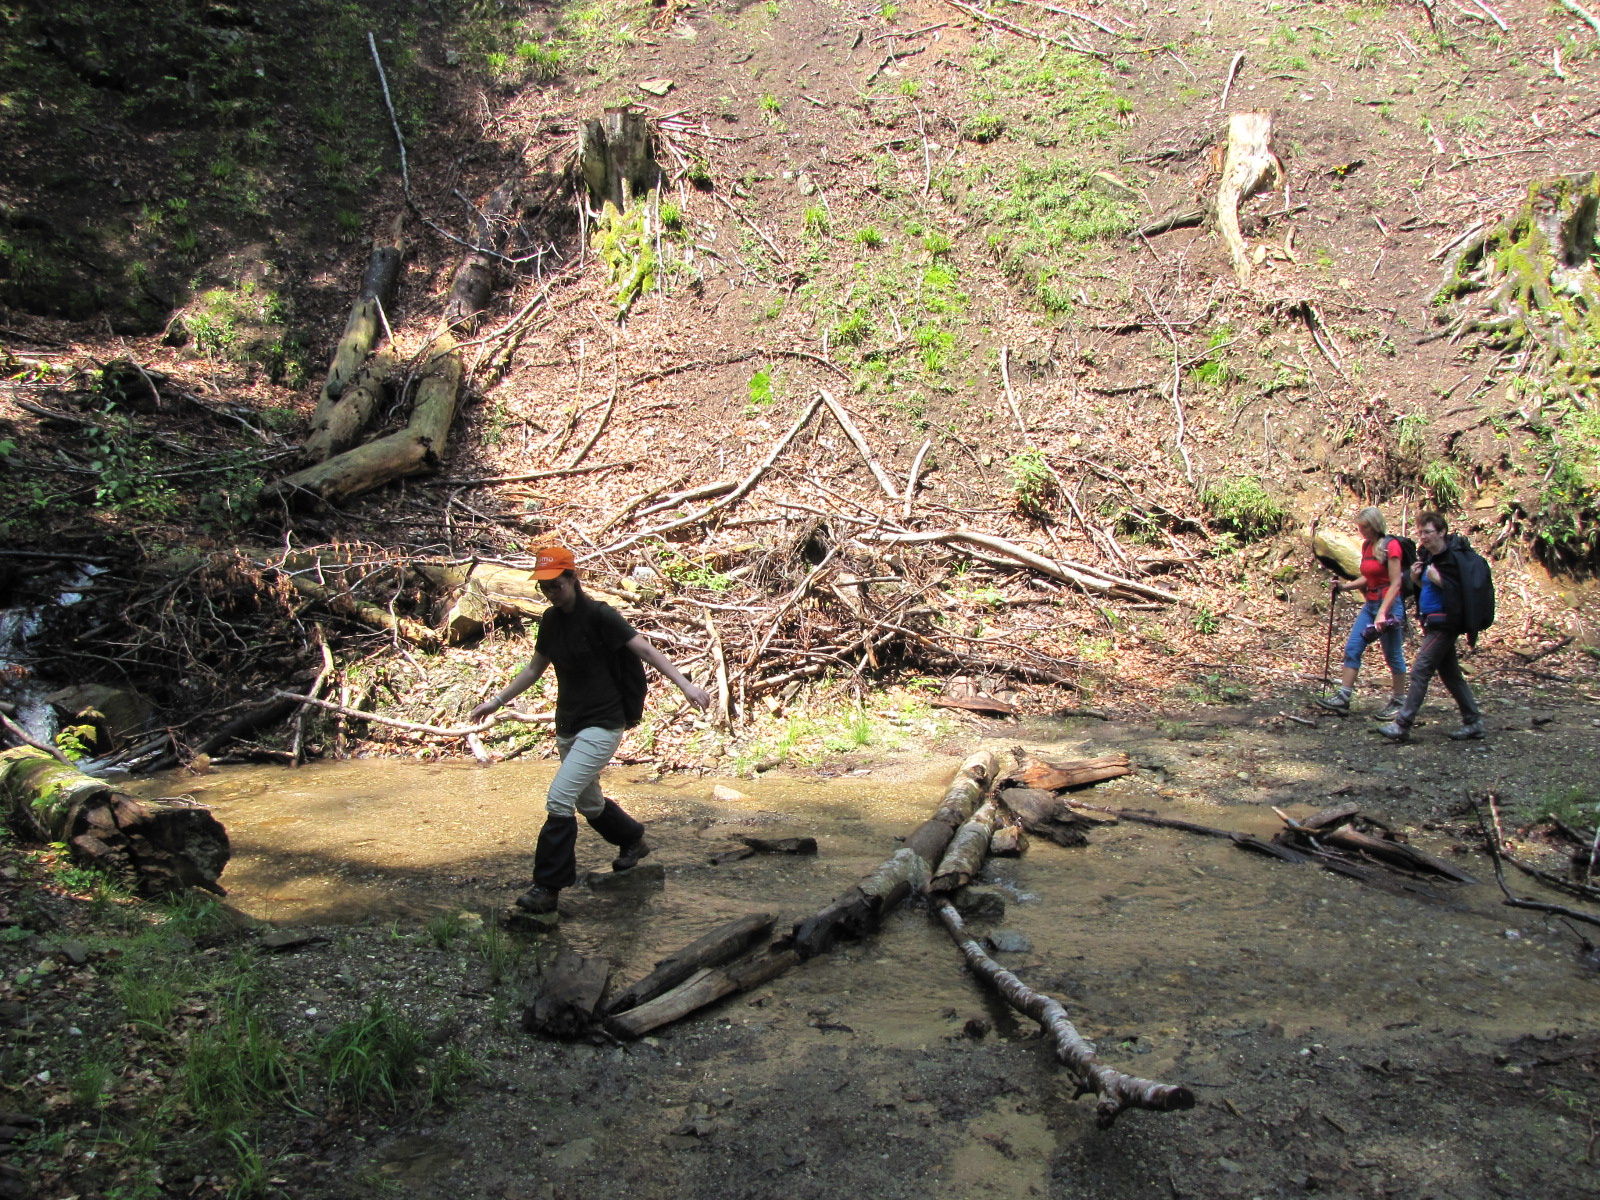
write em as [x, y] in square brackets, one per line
[1383, 610]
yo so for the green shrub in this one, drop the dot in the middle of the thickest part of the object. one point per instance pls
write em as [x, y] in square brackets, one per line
[1443, 481]
[869, 237]
[1240, 505]
[1031, 481]
[983, 127]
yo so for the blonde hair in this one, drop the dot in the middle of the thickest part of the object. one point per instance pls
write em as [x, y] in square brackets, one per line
[1371, 518]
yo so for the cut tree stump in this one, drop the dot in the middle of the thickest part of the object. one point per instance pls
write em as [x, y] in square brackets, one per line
[1249, 166]
[161, 846]
[617, 157]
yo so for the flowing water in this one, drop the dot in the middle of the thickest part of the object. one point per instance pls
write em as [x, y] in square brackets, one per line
[1147, 931]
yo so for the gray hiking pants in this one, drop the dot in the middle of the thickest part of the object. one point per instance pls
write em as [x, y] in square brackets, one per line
[1437, 657]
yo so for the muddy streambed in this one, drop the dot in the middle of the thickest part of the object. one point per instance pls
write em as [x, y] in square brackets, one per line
[1339, 1038]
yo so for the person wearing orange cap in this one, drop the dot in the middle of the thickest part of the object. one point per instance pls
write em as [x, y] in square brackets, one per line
[599, 694]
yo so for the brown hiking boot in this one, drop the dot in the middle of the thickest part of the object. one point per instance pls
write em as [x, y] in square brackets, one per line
[630, 855]
[540, 901]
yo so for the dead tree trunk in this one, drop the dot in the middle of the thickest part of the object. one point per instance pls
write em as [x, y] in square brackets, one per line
[419, 447]
[1116, 1090]
[1249, 167]
[861, 909]
[339, 418]
[161, 846]
[1080, 772]
[964, 858]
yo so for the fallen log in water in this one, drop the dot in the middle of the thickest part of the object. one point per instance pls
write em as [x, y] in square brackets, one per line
[724, 943]
[1116, 1090]
[964, 859]
[1046, 815]
[861, 909]
[855, 913]
[1332, 829]
[163, 846]
[1245, 841]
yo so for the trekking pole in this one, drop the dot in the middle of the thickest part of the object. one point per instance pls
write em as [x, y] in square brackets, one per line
[1327, 657]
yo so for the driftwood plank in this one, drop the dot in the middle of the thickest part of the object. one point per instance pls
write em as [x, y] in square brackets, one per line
[1053, 776]
[705, 987]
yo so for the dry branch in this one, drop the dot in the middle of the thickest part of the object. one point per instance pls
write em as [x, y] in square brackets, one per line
[1116, 1090]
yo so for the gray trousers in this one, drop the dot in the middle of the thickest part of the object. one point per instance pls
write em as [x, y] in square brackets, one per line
[1437, 657]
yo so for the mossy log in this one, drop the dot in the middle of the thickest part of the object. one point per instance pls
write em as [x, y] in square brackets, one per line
[1533, 276]
[361, 333]
[160, 846]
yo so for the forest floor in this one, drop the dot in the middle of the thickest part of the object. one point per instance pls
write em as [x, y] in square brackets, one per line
[928, 216]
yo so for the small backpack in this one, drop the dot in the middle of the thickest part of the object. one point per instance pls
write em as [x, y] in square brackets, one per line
[627, 672]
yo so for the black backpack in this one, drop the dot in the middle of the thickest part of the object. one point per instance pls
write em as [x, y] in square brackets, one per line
[627, 672]
[1408, 556]
[1468, 589]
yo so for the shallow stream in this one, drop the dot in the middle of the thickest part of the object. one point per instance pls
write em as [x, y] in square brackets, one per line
[1152, 935]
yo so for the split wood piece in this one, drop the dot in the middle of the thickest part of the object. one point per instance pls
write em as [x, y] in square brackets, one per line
[1384, 880]
[421, 446]
[854, 433]
[723, 944]
[1086, 577]
[699, 990]
[361, 332]
[964, 858]
[1245, 841]
[1250, 166]
[372, 615]
[565, 999]
[1079, 772]
[1116, 1090]
[163, 846]
[861, 909]
[1046, 815]
[1008, 839]
[978, 704]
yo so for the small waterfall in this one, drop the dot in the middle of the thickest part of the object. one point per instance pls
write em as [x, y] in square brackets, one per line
[18, 685]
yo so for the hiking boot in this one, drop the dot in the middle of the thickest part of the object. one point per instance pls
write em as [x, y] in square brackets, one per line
[1395, 732]
[1390, 710]
[538, 900]
[1470, 732]
[1335, 702]
[630, 855]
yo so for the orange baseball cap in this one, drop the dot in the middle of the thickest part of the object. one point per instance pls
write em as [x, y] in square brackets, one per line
[553, 561]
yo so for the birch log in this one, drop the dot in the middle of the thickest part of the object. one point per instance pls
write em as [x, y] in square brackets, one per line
[1116, 1090]
[964, 858]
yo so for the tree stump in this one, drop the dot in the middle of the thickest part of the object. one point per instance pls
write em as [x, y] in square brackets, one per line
[1249, 167]
[617, 157]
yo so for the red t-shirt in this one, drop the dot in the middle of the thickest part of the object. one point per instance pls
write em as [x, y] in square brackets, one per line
[1375, 574]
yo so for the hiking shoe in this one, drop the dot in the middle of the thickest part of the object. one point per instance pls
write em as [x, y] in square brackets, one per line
[538, 900]
[630, 855]
[1390, 710]
[1394, 732]
[1335, 702]
[1470, 732]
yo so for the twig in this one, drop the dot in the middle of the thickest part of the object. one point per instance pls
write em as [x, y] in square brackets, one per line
[1233, 70]
[623, 513]
[460, 731]
[1583, 14]
[1492, 842]
[1177, 375]
[855, 435]
[720, 662]
[529, 477]
[771, 245]
[605, 417]
[1086, 577]
[1022, 31]
[1011, 399]
[911, 479]
[27, 739]
[297, 742]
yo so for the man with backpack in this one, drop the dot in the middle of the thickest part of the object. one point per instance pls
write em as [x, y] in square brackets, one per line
[600, 691]
[1456, 596]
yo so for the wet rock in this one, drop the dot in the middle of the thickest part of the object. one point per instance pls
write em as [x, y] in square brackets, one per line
[577, 1153]
[647, 876]
[1008, 941]
[980, 903]
[727, 794]
[976, 1028]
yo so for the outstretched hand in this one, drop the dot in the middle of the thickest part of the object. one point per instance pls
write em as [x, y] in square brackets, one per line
[483, 710]
[697, 696]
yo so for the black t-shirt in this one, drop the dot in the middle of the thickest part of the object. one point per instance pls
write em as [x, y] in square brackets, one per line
[580, 647]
